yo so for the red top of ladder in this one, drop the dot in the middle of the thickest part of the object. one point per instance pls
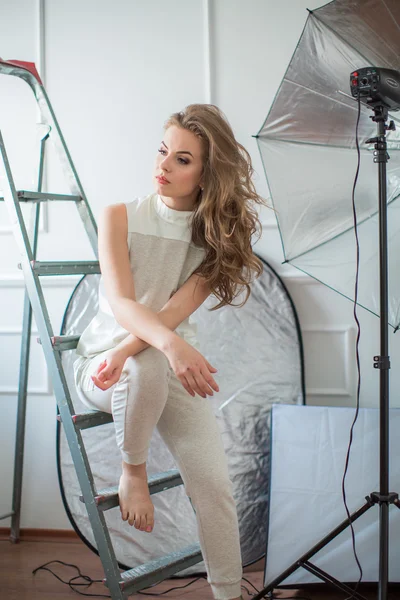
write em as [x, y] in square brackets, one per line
[29, 66]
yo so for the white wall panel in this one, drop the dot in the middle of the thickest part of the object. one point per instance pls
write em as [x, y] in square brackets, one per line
[10, 346]
[328, 357]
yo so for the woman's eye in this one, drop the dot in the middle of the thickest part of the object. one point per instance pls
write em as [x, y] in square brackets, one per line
[185, 162]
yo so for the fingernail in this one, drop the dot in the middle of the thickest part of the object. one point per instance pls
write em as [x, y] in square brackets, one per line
[148, 529]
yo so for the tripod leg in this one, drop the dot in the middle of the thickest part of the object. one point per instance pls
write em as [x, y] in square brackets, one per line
[331, 580]
[383, 551]
[300, 561]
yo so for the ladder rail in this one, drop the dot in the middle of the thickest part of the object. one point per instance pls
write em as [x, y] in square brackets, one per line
[60, 385]
[24, 367]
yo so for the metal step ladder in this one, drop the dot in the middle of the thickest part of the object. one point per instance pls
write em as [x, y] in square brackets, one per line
[120, 584]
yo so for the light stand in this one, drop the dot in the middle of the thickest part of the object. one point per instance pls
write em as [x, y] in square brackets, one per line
[383, 498]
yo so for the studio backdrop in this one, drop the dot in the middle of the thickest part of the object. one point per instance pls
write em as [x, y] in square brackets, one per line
[258, 352]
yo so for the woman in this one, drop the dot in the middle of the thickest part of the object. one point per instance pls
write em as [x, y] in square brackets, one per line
[161, 256]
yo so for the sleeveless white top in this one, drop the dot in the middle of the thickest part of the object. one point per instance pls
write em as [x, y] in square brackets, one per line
[162, 258]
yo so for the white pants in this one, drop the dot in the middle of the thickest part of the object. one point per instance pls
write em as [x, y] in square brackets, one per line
[147, 395]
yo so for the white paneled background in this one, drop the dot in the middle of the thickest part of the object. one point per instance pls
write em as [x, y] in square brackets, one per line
[114, 72]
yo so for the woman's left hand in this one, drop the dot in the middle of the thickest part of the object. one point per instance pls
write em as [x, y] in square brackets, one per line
[109, 371]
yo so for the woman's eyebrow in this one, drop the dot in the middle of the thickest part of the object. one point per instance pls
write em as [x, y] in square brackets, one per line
[180, 151]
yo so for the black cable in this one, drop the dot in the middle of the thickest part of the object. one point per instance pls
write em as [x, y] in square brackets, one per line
[271, 594]
[357, 355]
[90, 581]
[173, 588]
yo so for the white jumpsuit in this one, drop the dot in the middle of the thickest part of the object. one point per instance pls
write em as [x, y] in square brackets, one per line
[148, 393]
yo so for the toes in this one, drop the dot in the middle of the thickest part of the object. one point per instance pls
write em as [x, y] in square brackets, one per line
[141, 522]
[150, 523]
[124, 515]
[146, 523]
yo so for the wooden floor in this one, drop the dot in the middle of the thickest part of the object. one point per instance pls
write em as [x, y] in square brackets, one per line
[17, 561]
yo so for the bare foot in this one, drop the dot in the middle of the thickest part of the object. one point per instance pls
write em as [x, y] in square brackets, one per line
[134, 497]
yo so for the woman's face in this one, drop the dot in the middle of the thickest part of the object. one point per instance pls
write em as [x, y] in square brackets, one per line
[179, 160]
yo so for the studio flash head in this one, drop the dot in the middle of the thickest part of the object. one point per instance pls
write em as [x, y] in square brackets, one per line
[376, 86]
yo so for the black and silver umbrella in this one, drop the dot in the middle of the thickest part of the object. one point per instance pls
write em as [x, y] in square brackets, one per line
[308, 148]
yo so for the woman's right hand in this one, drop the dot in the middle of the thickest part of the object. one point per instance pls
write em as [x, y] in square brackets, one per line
[109, 371]
[191, 368]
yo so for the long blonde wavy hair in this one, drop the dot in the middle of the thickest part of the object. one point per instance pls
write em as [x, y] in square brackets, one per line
[224, 218]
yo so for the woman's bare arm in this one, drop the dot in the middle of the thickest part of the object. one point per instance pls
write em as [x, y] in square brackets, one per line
[180, 306]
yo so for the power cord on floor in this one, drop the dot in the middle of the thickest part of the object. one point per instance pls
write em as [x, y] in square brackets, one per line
[89, 581]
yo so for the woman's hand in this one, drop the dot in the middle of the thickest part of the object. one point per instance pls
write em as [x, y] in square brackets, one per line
[109, 371]
[191, 368]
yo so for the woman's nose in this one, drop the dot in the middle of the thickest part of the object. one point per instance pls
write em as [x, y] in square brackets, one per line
[164, 165]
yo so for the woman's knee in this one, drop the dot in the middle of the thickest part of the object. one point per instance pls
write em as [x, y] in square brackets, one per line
[146, 365]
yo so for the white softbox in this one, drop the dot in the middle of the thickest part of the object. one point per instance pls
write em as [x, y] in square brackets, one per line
[308, 452]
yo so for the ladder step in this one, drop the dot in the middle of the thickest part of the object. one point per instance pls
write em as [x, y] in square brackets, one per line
[108, 497]
[157, 570]
[92, 418]
[65, 267]
[63, 342]
[44, 197]
[10, 514]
